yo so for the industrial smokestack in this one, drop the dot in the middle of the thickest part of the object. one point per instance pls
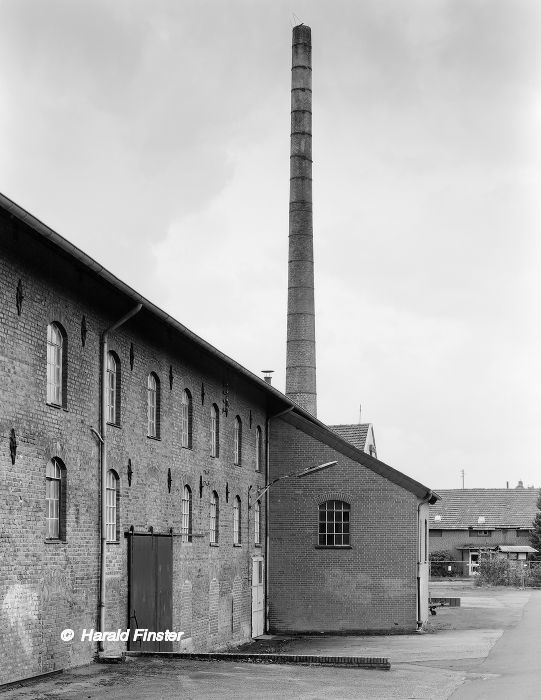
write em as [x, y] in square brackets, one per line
[301, 339]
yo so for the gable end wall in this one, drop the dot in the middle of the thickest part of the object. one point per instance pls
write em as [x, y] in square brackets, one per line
[371, 587]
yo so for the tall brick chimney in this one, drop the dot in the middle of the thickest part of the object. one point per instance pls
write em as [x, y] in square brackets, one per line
[301, 339]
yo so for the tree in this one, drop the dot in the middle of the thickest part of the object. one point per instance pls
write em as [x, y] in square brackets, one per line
[535, 537]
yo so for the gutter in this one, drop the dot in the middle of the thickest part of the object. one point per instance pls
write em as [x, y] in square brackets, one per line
[103, 463]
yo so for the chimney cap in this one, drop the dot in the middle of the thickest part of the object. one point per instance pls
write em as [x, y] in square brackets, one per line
[267, 375]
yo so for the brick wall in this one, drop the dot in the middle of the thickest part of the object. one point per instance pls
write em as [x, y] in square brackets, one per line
[370, 587]
[48, 586]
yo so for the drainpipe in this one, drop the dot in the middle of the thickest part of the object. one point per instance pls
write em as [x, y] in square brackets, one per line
[426, 499]
[103, 462]
[267, 539]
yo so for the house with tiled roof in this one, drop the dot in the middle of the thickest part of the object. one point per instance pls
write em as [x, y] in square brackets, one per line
[360, 435]
[468, 522]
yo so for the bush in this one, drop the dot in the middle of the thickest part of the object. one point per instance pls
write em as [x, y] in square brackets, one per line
[505, 572]
[493, 572]
[440, 561]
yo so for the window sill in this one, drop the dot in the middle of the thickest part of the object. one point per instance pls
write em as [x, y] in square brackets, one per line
[154, 437]
[213, 544]
[54, 540]
[187, 447]
[333, 546]
[114, 425]
[258, 545]
[237, 545]
[113, 542]
[57, 406]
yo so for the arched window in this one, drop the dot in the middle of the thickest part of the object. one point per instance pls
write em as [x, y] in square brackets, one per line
[111, 506]
[153, 394]
[334, 524]
[186, 515]
[237, 453]
[214, 431]
[113, 389]
[55, 499]
[56, 365]
[214, 517]
[257, 523]
[237, 521]
[258, 448]
[186, 419]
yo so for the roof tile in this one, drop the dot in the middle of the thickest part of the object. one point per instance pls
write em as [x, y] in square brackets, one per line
[462, 508]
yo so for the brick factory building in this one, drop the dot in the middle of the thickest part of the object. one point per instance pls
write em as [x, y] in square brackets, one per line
[134, 463]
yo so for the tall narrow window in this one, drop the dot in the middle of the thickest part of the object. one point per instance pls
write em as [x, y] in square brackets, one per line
[55, 365]
[236, 521]
[153, 394]
[214, 431]
[214, 517]
[258, 450]
[111, 498]
[113, 389]
[334, 524]
[237, 454]
[186, 419]
[54, 499]
[257, 523]
[186, 515]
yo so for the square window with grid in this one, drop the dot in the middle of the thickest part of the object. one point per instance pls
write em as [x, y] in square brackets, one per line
[334, 524]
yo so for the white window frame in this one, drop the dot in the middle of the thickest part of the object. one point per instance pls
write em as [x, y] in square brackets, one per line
[111, 493]
[152, 405]
[257, 523]
[55, 367]
[53, 498]
[258, 451]
[237, 521]
[186, 529]
[214, 431]
[185, 427]
[214, 517]
[111, 389]
[237, 451]
[334, 531]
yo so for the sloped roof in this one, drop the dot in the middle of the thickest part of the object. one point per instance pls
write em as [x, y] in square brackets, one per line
[294, 412]
[521, 549]
[462, 508]
[356, 434]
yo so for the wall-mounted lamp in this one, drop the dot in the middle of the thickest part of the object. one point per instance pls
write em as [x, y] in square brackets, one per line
[304, 472]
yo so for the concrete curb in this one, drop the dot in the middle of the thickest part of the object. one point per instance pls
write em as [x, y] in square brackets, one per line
[376, 662]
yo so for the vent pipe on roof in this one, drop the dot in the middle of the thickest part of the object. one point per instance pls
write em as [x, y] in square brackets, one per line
[267, 375]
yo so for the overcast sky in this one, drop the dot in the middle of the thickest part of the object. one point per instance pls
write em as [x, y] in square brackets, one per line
[155, 136]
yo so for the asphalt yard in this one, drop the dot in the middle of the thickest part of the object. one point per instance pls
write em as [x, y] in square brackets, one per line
[487, 648]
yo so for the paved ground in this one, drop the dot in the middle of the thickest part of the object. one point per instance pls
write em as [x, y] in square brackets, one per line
[488, 648]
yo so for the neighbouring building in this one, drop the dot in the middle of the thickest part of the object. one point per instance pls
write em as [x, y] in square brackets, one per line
[469, 522]
[148, 481]
[361, 435]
